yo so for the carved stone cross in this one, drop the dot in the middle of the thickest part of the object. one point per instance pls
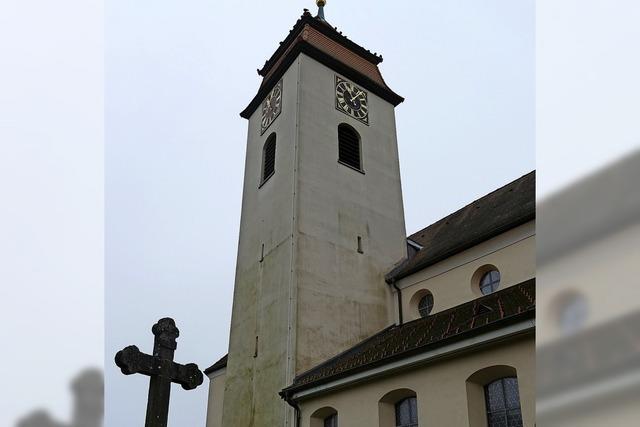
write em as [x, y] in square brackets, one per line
[162, 370]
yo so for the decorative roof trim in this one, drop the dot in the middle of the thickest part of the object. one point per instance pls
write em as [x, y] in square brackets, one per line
[517, 304]
[325, 29]
[449, 350]
[327, 60]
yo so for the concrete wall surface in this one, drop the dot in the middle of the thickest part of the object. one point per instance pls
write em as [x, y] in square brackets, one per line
[216, 398]
[260, 339]
[310, 294]
[342, 297]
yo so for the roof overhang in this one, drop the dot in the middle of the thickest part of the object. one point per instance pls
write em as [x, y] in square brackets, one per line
[326, 29]
[473, 343]
[327, 60]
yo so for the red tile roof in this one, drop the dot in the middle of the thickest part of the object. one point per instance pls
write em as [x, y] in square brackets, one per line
[328, 46]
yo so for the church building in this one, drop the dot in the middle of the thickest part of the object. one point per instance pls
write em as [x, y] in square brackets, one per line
[339, 318]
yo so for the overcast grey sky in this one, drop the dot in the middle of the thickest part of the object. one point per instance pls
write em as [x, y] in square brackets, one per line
[178, 74]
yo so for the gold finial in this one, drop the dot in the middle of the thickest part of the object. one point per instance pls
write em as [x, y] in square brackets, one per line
[321, 4]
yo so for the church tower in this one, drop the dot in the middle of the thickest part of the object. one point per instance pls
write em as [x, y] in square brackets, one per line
[322, 218]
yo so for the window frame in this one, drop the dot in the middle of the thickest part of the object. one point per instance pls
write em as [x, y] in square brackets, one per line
[413, 412]
[506, 410]
[322, 415]
[430, 305]
[264, 178]
[494, 284]
[360, 156]
[332, 419]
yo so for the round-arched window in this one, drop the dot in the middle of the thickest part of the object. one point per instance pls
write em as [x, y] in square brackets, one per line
[425, 305]
[331, 421]
[490, 282]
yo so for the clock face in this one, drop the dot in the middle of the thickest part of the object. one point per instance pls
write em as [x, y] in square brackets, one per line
[352, 100]
[271, 107]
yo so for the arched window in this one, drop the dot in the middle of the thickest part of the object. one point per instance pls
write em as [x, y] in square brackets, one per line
[331, 421]
[407, 413]
[503, 403]
[398, 408]
[493, 397]
[349, 152]
[490, 282]
[324, 417]
[268, 158]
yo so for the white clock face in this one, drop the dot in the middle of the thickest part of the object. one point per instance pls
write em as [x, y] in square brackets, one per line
[271, 107]
[352, 100]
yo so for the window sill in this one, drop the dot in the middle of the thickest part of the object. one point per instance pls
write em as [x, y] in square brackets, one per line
[351, 167]
[264, 181]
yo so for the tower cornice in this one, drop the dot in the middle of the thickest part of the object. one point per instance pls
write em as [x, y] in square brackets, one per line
[327, 30]
[320, 41]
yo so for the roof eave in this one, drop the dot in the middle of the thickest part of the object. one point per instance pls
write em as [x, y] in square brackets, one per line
[400, 273]
[503, 323]
[327, 60]
[324, 28]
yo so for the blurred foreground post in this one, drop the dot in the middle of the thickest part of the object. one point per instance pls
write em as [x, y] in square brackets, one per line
[162, 370]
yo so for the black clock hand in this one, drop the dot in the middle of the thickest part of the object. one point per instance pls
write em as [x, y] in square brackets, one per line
[348, 92]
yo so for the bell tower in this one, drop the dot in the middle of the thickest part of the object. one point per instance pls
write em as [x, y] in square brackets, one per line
[322, 217]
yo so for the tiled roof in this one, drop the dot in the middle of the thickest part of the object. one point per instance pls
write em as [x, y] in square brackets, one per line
[335, 49]
[308, 20]
[503, 209]
[317, 39]
[222, 363]
[499, 309]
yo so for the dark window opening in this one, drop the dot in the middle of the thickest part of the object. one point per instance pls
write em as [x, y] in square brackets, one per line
[503, 403]
[349, 147]
[407, 413]
[360, 251]
[331, 421]
[269, 158]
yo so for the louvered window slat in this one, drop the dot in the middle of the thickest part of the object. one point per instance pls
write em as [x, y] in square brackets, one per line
[349, 147]
[269, 157]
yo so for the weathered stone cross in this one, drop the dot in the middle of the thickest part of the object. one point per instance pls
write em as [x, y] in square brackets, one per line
[162, 370]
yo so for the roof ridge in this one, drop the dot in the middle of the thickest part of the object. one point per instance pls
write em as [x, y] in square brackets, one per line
[474, 201]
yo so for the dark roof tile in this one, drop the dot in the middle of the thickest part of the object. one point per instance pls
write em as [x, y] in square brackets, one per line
[497, 212]
[396, 342]
[222, 363]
